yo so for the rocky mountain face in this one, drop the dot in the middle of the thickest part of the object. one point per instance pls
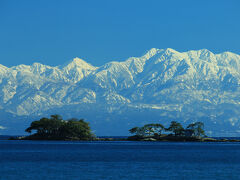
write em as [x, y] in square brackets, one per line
[161, 86]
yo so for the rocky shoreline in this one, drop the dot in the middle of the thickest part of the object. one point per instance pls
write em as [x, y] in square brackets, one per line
[170, 138]
[137, 138]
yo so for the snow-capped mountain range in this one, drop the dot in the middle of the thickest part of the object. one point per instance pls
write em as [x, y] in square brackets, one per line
[160, 86]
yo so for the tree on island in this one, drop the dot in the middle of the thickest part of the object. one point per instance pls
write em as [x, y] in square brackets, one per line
[139, 131]
[147, 130]
[197, 128]
[193, 130]
[76, 128]
[57, 128]
[158, 129]
[176, 128]
[151, 129]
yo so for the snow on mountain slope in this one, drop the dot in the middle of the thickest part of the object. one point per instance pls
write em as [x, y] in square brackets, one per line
[163, 84]
[3, 69]
[77, 69]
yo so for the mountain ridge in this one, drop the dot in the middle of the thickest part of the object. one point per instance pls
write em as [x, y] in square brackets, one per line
[161, 85]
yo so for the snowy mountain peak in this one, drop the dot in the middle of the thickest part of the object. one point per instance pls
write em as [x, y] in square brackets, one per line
[77, 69]
[152, 52]
[170, 50]
[3, 68]
[228, 54]
[78, 63]
[163, 84]
[36, 64]
[206, 52]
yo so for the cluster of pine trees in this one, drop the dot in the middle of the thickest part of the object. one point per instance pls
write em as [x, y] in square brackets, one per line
[57, 128]
[195, 129]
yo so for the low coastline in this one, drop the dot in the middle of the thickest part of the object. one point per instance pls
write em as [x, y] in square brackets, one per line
[166, 138]
[57, 129]
[170, 138]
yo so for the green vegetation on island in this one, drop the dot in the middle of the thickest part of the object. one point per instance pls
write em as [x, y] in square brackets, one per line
[55, 128]
[193, 132]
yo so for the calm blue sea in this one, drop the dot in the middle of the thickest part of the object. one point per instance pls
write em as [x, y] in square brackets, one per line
[118, 160]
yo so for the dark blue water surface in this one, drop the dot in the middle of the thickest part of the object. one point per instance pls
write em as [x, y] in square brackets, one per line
[118, 160]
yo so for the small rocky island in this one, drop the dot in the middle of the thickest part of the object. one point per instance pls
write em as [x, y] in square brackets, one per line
[55, 128]
[176, 132]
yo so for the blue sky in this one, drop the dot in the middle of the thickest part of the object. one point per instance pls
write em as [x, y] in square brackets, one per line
[53, 32]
